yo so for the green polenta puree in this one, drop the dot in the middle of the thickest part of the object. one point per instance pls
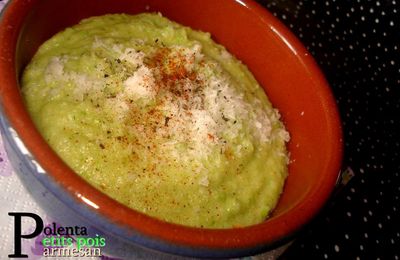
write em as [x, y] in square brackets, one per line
[160, 118]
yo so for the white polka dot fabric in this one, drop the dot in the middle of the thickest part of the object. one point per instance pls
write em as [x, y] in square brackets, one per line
[356, 43]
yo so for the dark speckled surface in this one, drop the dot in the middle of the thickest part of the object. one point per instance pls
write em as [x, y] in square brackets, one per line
[357, 45]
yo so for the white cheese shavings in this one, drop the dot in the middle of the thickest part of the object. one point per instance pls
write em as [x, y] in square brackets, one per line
[54, 69]
[132, 56]
[194, 109]
[140, 85]
[84, 83]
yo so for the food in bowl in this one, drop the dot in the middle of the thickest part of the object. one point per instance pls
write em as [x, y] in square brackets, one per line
[161, 118]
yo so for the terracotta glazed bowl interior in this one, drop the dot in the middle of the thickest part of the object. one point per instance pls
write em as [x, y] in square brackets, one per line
[280, 63]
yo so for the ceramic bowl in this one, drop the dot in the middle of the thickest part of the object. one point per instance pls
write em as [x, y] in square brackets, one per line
[279, 62]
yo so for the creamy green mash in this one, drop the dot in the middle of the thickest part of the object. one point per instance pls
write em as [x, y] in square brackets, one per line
[161, 118]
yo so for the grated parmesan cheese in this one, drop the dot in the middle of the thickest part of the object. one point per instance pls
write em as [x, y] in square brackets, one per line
[140, 85]
[54, 69]
[196, 105]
